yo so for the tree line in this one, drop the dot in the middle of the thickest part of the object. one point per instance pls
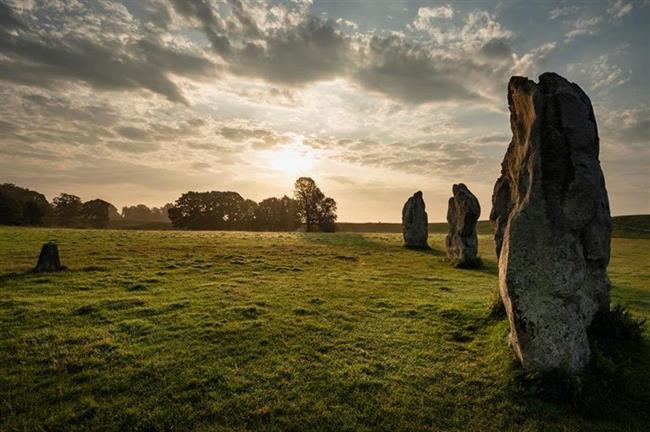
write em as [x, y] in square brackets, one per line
[213, 210]
[217, 210]
[21, 206]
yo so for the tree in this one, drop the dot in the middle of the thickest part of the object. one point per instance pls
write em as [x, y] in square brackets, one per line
[211, 210]
[21, 206]
[308, 196]
[113, 214]
[11, 212]
[314, 208]
[95, 213]
[165, 211]
[289, 211]
[327, 215]
[246, 215]
[275, 214]
[67, 210]
[138, 212]
[142, 213]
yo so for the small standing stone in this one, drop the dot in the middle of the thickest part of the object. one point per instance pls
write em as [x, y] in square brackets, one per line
[48, 261]
[462, 240]
[415, 223]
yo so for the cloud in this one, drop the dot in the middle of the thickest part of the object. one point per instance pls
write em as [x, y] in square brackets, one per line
[299, 51]
[351, 24]
[619, 9]
[394, 67]
[529, 62]
[628, 127]
[133, 146]
[493, 138]
[563, 11]
[260, 138]
[8, 19]
[426, 16]
[479, 28]
[133, 133]
[601, 73]
[583, 26]
[103, 46]
[46, 56]
[289, 48]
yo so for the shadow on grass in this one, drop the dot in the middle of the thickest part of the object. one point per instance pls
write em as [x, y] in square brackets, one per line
[489, 267]
[614, 387]
[30, 274]
[426, 251]
[343, 239]
[17, 276]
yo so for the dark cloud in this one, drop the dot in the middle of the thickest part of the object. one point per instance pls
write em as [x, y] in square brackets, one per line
[496, 49]
[158, 14]
[412, 74]
[8, 19]
[429, 146]
[261, 138]
[632, 135]
[7, 127]
[39, 58]
[133, 133]
[291, 54]
[308, 49]
[133, 146]
[493, 138]
[289, 49]
[342, 180]
[38, 106]
[200, 165]
[627, 128]
[213, 26]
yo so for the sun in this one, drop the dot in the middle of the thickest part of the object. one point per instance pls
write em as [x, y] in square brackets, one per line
[291, 160]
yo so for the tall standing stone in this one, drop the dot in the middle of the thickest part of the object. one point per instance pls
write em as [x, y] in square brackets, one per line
[48, 260]
[552, 224]
[462, 240]
[415, 223]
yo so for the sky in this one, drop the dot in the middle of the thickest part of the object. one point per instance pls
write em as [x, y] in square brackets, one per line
[138, 101]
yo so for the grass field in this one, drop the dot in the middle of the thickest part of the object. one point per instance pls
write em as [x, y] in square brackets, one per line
[206, 331]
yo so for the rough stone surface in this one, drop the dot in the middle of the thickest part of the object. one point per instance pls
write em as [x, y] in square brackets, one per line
[48, 260]
[462, 240]
[552, 224]
[415, 223]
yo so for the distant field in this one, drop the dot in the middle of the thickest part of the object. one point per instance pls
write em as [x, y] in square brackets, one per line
[169, 330]
[483, 227]
[635, 226]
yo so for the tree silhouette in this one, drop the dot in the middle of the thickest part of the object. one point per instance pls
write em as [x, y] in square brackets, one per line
[277, 214]
[95, 213]
[212, 210]
[142, 213]
[314, 208]
[327, 215]
[67, 210]
[21, 206]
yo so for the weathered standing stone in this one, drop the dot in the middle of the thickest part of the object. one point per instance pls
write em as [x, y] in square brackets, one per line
[415, 222]
[48, 260]
[552, 224]
[462, 240]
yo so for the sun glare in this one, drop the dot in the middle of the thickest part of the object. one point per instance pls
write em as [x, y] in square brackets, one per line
[291, 160]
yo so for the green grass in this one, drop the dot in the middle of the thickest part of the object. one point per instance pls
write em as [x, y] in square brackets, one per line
[167, 330]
